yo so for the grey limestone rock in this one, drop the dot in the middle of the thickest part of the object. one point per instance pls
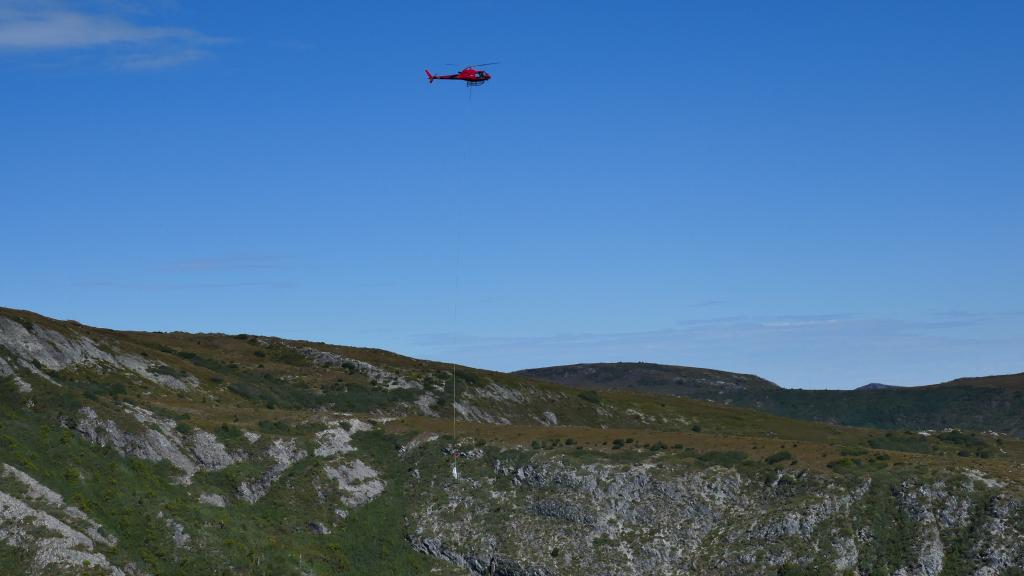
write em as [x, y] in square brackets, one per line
[283, 453]
[359, 482]
[215, 500]
[35, 345]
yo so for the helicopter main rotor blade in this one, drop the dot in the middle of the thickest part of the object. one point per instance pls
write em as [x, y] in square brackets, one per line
[482, 65]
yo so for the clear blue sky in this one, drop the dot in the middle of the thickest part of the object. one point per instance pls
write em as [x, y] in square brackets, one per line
[823, 193]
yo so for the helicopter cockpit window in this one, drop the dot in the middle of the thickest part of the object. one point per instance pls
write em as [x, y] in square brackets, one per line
[479, 74]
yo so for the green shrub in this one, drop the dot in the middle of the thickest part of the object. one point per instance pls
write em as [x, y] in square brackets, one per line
[778, 457]
[227, 433]
[274, 427]
[958, 437]
[902, 443]
[590, 396]
[726, 458]
[791, 569]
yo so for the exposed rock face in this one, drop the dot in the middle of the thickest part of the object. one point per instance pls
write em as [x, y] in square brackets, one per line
[373, 373]
[495, 403]
[418, 441]
[474, 414]
[497, 392]
[7, 371]
[336, 439]
[319, 528]
[149, 444]
[425, 404]
[36, 345]
[215, 500]
[358, 481]
[23, 387]
[159, 440]
[209, 453]
[54, 542]
[653, 520]
[283, 453]
[479, 565]
[178, 535]
[34, 491]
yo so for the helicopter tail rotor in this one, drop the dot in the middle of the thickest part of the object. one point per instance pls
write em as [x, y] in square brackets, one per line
[430, 76]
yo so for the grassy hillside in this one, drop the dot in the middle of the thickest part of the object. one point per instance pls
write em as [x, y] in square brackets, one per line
[176, 453]
[993, 403]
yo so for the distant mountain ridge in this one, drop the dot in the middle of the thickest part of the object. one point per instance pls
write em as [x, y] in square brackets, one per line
[875, 386]
[702, 383]
[984, 403]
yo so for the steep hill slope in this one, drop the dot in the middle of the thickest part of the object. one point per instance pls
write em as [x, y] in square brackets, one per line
[175, 453]
[988, 403]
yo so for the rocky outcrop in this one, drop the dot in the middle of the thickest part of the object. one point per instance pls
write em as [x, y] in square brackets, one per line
[337, 438]
[215, 500]
[36, 492]
[6, 371]
[425, 405]
[58, 536]
[473, 413]
[358, 482]
[283, 453]
[495, 403]
[158, 440]
[36, 347]
[549, 418]
[148, 444]
[479, 565]
[654, 519]
[374, 374]
[497, 392]
[318, 528]
[180, 538]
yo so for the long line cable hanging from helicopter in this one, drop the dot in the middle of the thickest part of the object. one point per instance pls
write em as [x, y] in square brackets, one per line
[455, 338]
[457, 224]
[472, 78]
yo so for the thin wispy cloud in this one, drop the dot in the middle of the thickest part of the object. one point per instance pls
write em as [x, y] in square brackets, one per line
[708, 303]
[225, 263]
[175, 286]
[972, 316]
[57, 28]
[154, 61]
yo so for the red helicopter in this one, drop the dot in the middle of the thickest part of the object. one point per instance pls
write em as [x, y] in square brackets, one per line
[470, 75]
